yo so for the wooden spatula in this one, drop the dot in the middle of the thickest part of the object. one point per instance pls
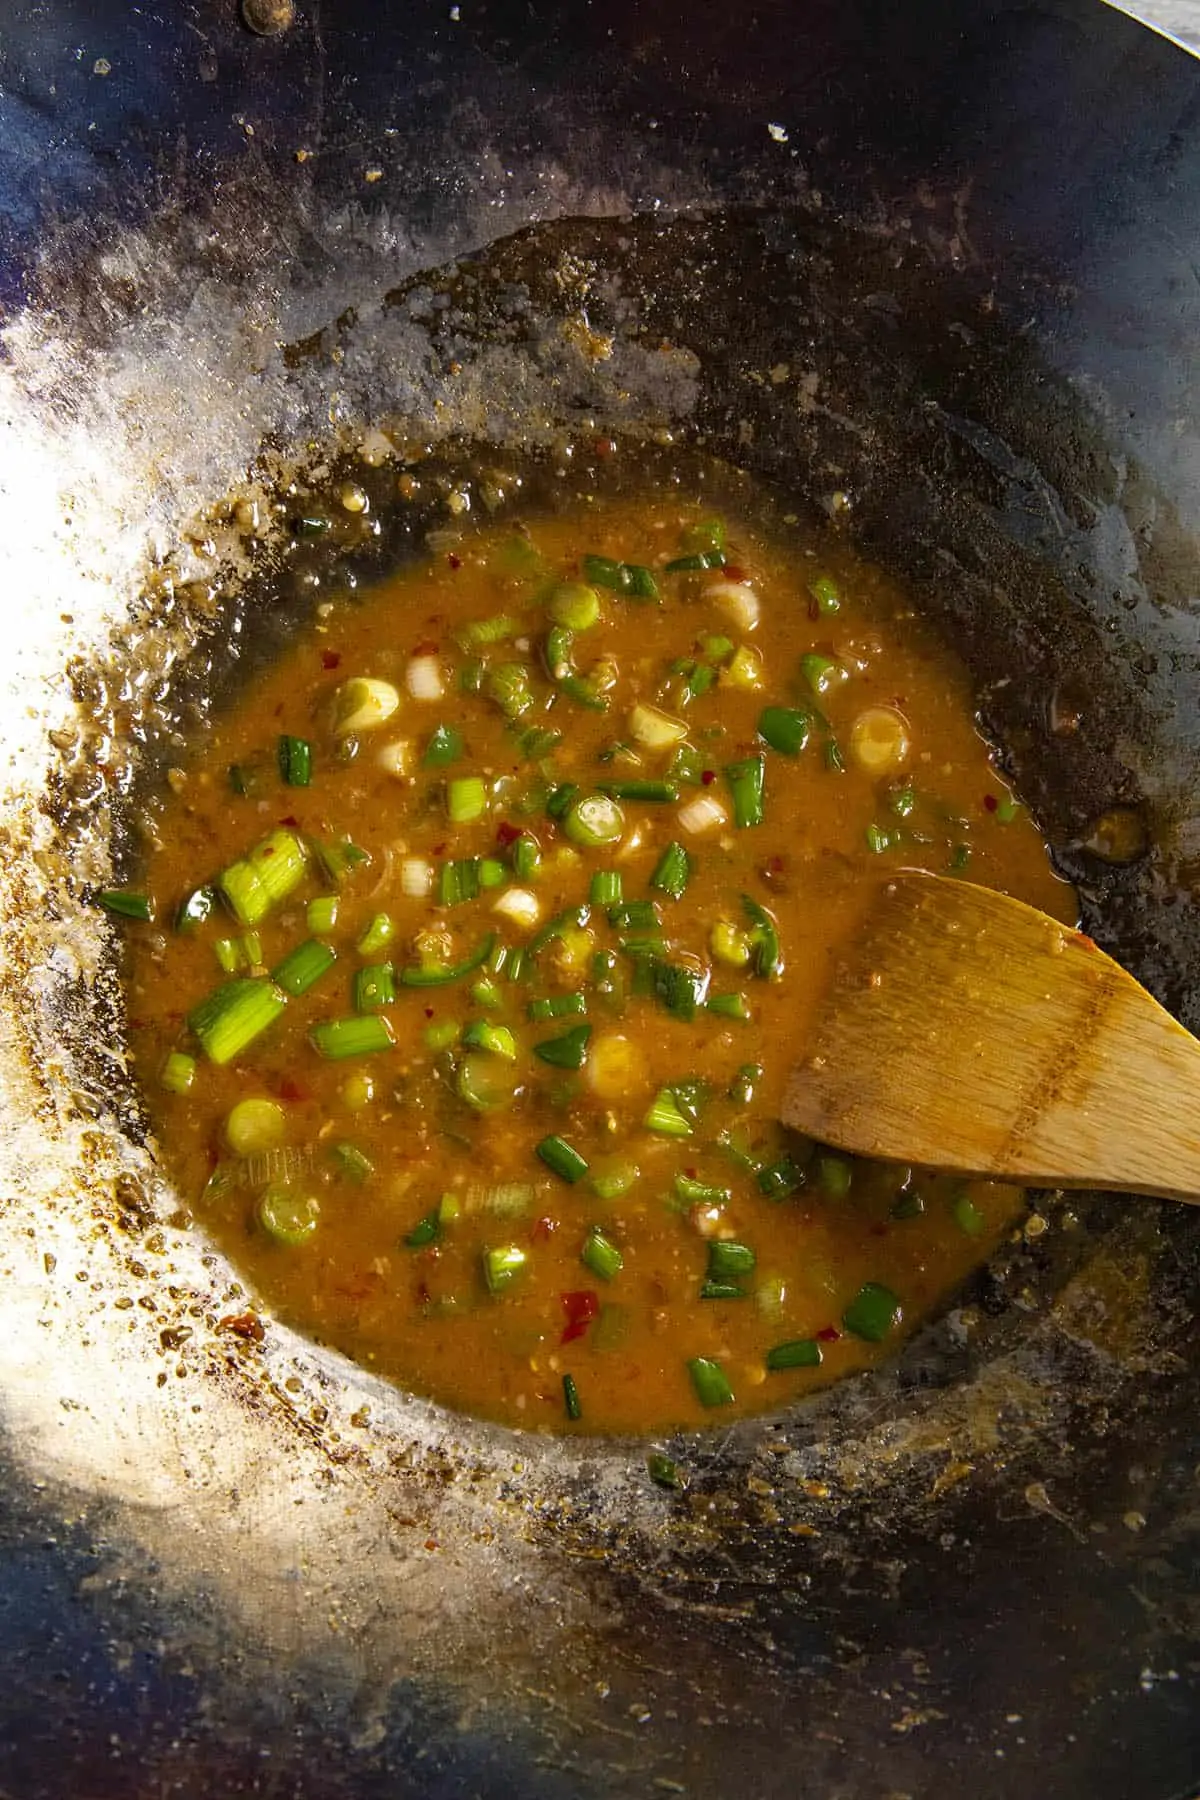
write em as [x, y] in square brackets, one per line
[966, 1031]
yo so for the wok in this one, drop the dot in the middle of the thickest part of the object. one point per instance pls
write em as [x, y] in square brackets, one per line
[931, 269]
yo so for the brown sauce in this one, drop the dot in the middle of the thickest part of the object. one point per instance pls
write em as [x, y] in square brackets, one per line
[395, 1204]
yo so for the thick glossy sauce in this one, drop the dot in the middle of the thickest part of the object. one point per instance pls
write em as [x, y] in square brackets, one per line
[600, 1286]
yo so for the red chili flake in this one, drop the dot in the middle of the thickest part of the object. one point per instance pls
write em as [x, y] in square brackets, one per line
[731, 572]
[604, 447]
[292, 821]
[439, 849]
[454, 561]
[814, 609]
[828, 1334]
[291, 1090]
[507, 834]
[581, 1307]
[691, 1172]
[427, 647]
[330, 659]
[990, 802]
[432, 1544]
[429, 1012]
[246, 1325]
[880, 1230]
[707, 777]
[421, 1294]
[541, 1230]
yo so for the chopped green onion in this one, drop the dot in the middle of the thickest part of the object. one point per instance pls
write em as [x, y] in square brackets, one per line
[903, 800]
[687, 765]
[485, 993]
[526, 857]
[779, 1179]
[575, 605]
[559, 799]
[445, 746]
[601, 1255]
[508, 686]
[559, 647]
[606, 888]
[594, 820]
[374, 986]
[517, 965]
[492, 873]
[178, 1072]
[738, 1148]
[631, 579]
[255, 1126]
[680, 989]
[613, 1179]
[872, 1313]
[698, 559]
[700, 1193]
[566, 1052]
[571, 1398]
[459, 881]
[501, 1266]
[700, 679]
[768, 961]
[633, 915]
[295, 761]
[336, 1039]
[710, 1382]
[497, 1040]
[340, 859]
[538, 742]
[746, 781]
[485, 1081]
[673, 871]
[663, 1472]
[449, 1208]
[441, 1035]
[741, 1088]
[556, 1006]
[797, 1353]
[559, 1156]
[427, 975]
[495, 630]
[377, 936]
[655, 793]
[704, 534]
[229, 953]
[728, 1006]
[321, 914]
[195, 909]
[288, 1217]
[967, 1216]
[575, 917]
[425, 1232]
[466, 799]
[471, 676]
[665, 1116]
[352, 1161]
[234, 1015]
[879, 839]
[691, 1097]
[820, 672]
[267, 874]
[836, 1176]
[303, 966]
[959, 859]
[730, 1262]
[826, 593]
[785, 728]
[1006, 811]
[124, 904]
[722, 1290]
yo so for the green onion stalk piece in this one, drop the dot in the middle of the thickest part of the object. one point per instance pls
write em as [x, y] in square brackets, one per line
[230, 1019]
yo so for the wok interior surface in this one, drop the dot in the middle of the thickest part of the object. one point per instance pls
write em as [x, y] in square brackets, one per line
[245, 1562]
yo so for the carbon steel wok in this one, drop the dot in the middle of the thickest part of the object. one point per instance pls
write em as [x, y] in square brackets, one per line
[931, 268]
